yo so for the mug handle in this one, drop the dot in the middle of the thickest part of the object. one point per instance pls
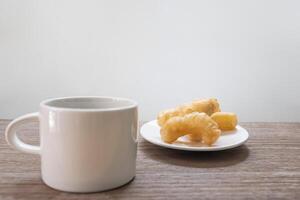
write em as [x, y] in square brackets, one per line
[11, 134]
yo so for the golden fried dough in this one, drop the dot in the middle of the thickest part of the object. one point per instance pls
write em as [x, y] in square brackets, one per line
[198, 124]
[208, 106]
[226, 121]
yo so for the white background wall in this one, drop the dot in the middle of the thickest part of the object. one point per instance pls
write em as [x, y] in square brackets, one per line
[159, 52]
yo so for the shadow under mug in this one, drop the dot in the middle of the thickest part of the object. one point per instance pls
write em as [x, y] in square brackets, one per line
[88, 144]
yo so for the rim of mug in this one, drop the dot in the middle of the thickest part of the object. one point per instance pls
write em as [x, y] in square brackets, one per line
[44, 103]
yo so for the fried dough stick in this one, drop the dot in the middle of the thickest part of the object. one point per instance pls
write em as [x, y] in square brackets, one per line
[208, 106]
[198, 124]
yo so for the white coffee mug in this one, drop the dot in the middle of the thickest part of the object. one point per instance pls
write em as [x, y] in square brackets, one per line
[87, 144]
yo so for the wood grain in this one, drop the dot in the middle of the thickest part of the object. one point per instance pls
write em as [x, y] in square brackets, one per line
[267, 167]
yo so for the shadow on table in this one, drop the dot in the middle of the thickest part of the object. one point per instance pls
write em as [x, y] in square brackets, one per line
[197, 159]
[37, 189]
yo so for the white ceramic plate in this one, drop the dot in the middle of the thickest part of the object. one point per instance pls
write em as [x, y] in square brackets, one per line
[229, 139]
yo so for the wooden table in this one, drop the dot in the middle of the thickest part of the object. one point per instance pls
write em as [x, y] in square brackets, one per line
[267, 167]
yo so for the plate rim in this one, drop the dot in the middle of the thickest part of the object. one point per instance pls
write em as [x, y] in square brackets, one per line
[186, 148]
